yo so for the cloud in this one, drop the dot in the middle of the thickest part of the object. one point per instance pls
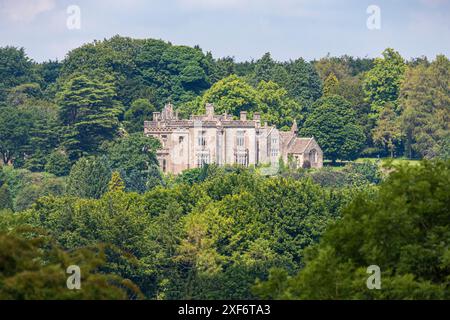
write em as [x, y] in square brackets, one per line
[24, 10]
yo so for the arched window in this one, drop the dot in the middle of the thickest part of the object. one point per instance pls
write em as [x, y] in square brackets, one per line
[313, 156]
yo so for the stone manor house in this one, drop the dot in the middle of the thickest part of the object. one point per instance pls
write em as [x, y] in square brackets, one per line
[220, 139]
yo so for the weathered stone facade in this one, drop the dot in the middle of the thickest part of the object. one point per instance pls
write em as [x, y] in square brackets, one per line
[220, 139]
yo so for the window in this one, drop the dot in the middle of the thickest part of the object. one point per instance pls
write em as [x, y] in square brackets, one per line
[164, 165]
[241, 159]
[274, 146]
[313, 156]
[163, 140]
[180, 139]
[202, 159]
[201, 138]
[274, 152]
[240, 138]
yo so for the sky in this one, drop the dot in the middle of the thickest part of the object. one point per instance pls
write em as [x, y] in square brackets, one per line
[244, 29]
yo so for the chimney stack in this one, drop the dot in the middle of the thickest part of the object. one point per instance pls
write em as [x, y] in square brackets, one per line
[257, 116]
[155, 116]
[243, 115]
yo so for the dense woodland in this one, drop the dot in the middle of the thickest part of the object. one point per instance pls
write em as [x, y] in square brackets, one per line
[80, 183]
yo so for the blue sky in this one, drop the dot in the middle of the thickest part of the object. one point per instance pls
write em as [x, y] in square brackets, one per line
[244, 29]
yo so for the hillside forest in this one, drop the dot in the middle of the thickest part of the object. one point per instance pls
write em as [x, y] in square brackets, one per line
[80, 184]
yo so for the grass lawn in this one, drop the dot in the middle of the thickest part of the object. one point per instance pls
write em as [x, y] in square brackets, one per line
[394, 161]
[340, 164]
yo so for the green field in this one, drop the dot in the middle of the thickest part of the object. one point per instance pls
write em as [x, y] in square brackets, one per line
[383, 160]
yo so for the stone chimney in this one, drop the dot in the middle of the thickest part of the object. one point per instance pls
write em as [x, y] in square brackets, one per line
[294, 128]
[155, 116]
[243, 115]
[256, 116]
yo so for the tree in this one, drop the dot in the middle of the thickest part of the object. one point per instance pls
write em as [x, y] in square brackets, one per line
[35, 269]
[338, 66]
[6, 201]
[49, 72]
[266, 69]
[44, 131]
[58, 163]
[15, 69]
[231, 95]
[333, 124]
[402, 227]
[14, 133]
[424, 100]
[387, 132]
[89, 177]
[118, 221]
[303, 82]
[382, 82]
[276, 106]
[134, 156]
[140, 110]
[221, 68]
[89, 110]
[330, 85]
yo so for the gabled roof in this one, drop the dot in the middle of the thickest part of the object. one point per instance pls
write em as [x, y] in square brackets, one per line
[299, 145]
[287, 137]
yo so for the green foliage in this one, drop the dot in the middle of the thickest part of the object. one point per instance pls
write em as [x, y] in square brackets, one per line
[25, 186]
[254, 224]
[116, 183]
[89, 177]
[276, 106]
[14, 133]
[140, 110]
[207, 240]
[118, 219]
[403, 228]
[303, 83]
[15, 69]
[387, 132]
[352, 175]
[330, 85]
[35, 269]
[41, 186]
[209, 232]
[6, 201]
[88, 109]
[333, 124]
[382, 82]
[425, 100]
[148, 69]
[58, 163]
[134, 156]
[232, 95]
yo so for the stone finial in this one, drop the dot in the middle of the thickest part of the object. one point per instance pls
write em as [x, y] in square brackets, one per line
[257, 116]
[209, 110]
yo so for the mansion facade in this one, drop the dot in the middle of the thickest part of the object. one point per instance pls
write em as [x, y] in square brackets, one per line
[220, 139]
